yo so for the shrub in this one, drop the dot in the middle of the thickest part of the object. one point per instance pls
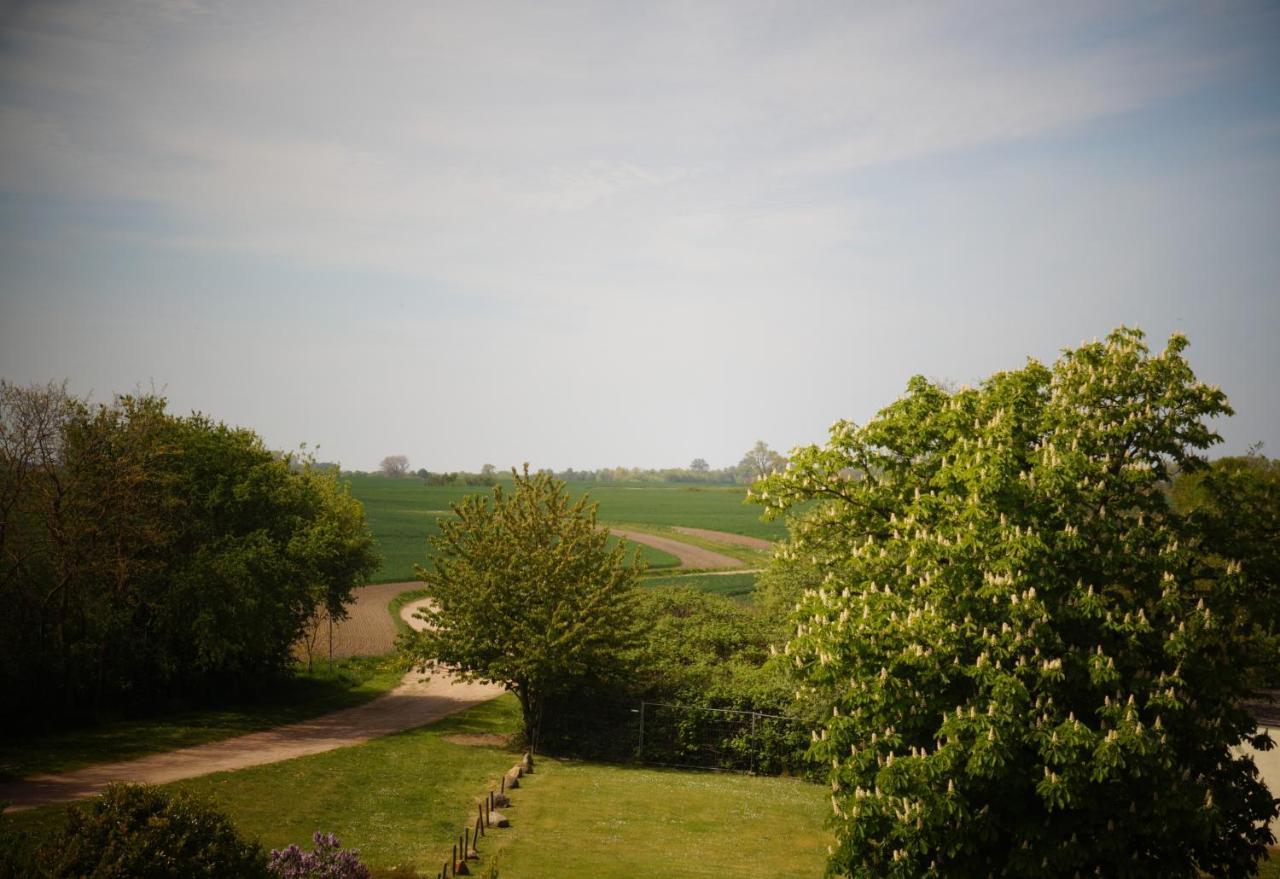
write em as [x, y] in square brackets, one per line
[142, 832]
[327, 861]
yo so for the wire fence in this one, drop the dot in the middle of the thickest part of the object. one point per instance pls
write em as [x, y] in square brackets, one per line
[698, 737]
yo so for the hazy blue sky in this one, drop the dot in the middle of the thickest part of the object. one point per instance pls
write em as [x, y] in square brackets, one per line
[629, 233]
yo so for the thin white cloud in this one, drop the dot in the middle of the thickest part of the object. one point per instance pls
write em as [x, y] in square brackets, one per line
[447, 141]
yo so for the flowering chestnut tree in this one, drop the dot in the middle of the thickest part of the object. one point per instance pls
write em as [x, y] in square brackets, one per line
[1034, 665]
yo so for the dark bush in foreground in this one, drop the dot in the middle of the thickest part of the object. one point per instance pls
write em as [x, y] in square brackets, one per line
[142, 832]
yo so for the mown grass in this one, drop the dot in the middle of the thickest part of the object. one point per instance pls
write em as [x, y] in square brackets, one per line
[402, 800]
[353, 680]
[399, 799]
[731, 585]
[403, 514]
[593, 821]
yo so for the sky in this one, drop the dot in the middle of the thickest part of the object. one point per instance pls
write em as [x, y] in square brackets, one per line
[591, 235]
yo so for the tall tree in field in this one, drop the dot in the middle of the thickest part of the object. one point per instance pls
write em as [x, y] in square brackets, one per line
[1033, 665]
[760, 461]
[526, 592]
[395, 465]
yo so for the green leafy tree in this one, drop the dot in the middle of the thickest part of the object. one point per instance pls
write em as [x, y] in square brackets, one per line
[527, 593]
[1033, 665]
[147, 554]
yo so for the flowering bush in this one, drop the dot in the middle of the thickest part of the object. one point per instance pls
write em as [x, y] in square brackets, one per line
[328, 861]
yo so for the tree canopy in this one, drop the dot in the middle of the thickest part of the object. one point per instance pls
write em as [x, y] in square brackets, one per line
[760, 461]
[147, 554]
[395, 465]
[527, 592]
[1032, 664]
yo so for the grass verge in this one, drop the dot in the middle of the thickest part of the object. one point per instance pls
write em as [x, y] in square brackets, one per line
[754, 558]
[741, 586]
[397, 604]
[352, 681]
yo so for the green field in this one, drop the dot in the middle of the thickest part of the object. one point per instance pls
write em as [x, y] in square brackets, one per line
[732, 585]
[402, 513]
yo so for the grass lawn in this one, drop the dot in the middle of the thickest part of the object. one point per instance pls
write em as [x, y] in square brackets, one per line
[593, 821]
[402, 799]
[399, 799]
[732, 585]
[354, 680]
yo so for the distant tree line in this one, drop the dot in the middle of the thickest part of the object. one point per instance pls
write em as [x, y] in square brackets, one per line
[146, 555]
[486, 477]
[757, 463]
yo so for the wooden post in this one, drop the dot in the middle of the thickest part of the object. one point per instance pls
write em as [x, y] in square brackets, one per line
[480, 820]
[453, 863]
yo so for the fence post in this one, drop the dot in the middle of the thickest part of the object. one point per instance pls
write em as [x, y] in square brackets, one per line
[753, 743]
[640, 755]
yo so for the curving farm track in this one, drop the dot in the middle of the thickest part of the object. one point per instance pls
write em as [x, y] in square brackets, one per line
[417, 701]
[370, 630]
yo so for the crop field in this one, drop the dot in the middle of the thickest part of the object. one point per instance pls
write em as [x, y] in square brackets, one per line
[402, 514]
[732, 585]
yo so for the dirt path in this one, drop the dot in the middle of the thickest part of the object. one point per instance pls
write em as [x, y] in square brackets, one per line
[726, 537]
[690, 556]
[417, 701]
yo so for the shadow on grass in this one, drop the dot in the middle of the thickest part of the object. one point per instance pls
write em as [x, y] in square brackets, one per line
[353, 681]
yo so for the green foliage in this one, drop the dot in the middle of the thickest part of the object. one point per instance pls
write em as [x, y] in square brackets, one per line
[147, 554]
[700, 651]
[1236, 503]
[1031, 664]
[142, 832]
[527, 593]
